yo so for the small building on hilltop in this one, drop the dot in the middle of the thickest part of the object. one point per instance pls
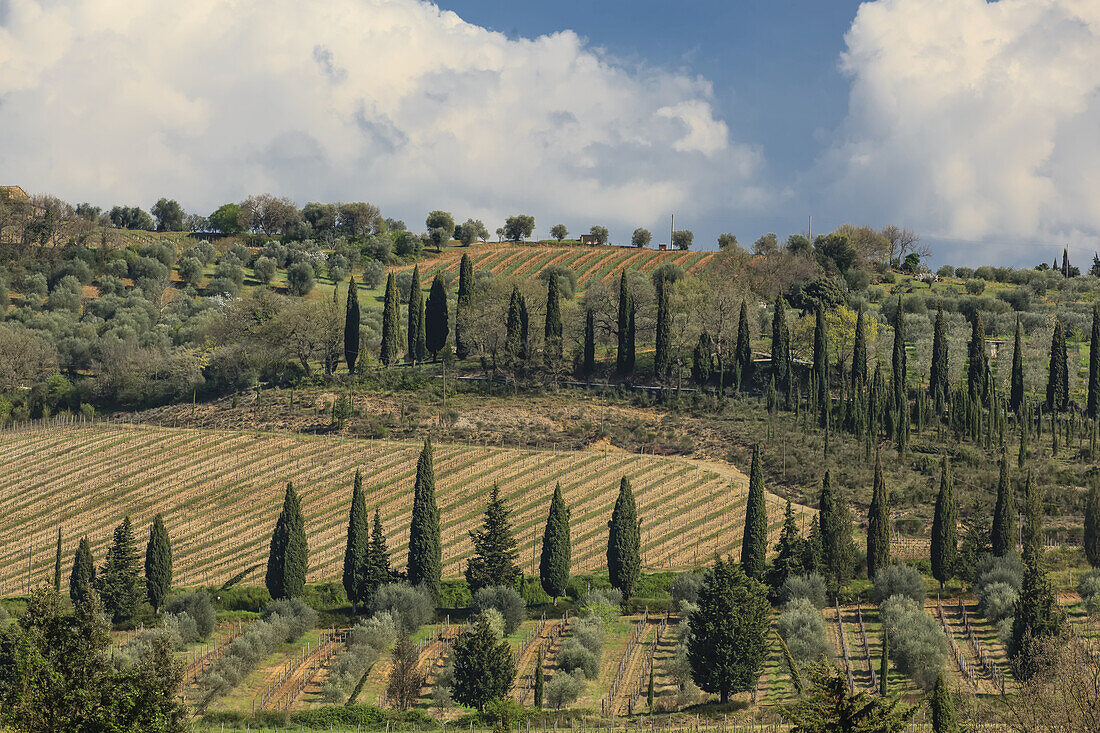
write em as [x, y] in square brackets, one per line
[589, 239]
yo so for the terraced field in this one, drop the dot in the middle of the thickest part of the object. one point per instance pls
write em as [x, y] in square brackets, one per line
[220, 492]
[589, 263]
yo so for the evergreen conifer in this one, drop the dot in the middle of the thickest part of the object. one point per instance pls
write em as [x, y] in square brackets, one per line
[624, 558]
[743, 350]
[351, 326]
[288, 559]
[944, 719]
[837, 548]
[82, 580]
[556, 560]
[1003, 537]
[1058, 375]
[938, 380]
[978, 361]
[57, 563]
[588, 365]
[391, 317]
[495, 553]
[376, 569]
[754, 540]
[119, 583]
[416, 337]
[425, 563]
[1092, 523]
[355, 551]
[158, 564]
[945, 545]
[437, 328]
[552, 332]
[662, 357]
[1016, 388]
[462, 303]
[780, 356]
[624, 355]
[878, 525]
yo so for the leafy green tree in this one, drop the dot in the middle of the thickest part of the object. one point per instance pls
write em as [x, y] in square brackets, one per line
[518, 228]
[728, 631]
[743, 350]
[600, 233]
[472, 231]
[288, 558]
[355, 551]
[1092, 523]
[228, 219]
[158, 564]
[828, 707]
[119, 583]
[495, 553]
[376, 564]
[82, 581]
[1016, 389]
[391, 317]
[588, 363]
[662, 357]
[441, 227]
[437, 325]
[624, 555]
[417, 345]
[942, 702]
[1003, 537]
[462, 303]
[945, 541]
[878, 524]
[682, 239]
[835, 525]
[754, 541]
[624, 356]
[938, 377]
[557, 548]
[484, 667]
[169, 215]
[641, 237]
[780, 364]
[559, 232]
[425, 564]
[351, 326]
[552, 331]
[1058, 375]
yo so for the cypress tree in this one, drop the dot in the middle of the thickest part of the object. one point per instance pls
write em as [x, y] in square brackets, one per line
[556, 559]
[978, 362]
[1058, 376]
[943, 708]
[884, 665]
[835, 519]
[944, 546]
[552, 332]
[701, 360]
[462, 302]
[119, 581]
[158, 564]
[437, 328]
[938, 384]
[288, 559]
[1092, 523]
[376, 570]
[754, 541]
[355, 551]
[1031, 533]
[524, 330]
[821, 366]
[780, 356]
[1003, 538]
[589, 362]
[662, 358]
[624, 356]
[1016, 389]
[1094, 365]
[495, 553]
[538, 681]
[899, 380]
[1065, 262]
[57, 563]
[859, 355]
[391, 317]
[513, 341]
[418, 350]
[878, 525]
[425, 564]
[82, 580]
[743, 350]
[624, 559]
[1037, 616]
[351, 326]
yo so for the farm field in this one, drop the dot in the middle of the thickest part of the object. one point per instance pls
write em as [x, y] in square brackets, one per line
[220, 492]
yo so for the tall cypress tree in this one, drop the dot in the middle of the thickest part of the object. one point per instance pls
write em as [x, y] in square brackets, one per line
[1016, 389]
[557, 548]
[944, 719]
[513, 340]
[391, 318]
[495, 553]
[1094, 365]
[1031, 533]
[624, 355]
[425, 564]
[158, 564]
[82, 580]
[355, 551]
[437, 327]
[462, 303]
[376, 570]
[552, 332]
[878, 525]
[938, 382]
[899, 379]
[1065, 262]
[524, 330]
[418, 349]
[821, 365]
[119, 583]
[859, 355]
[754, 541]
[351, 326]
[1003, 536]
[780, 362]
[945, 546]
[624, 552]
[835, 520]
[288, 559]
[57, 563]
[978, 362]
[701, 360]
[743, 353]
[1058, 375]
[662, 357]
[588, 365]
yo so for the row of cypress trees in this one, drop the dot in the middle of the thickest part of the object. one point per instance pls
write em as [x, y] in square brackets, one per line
[428, 322]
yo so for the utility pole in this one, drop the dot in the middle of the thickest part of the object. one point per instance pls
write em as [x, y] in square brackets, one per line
[671, 230]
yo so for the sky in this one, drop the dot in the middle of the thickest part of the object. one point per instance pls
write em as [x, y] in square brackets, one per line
[975, 124]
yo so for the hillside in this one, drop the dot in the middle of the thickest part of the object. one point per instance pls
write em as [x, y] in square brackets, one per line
[220, 492]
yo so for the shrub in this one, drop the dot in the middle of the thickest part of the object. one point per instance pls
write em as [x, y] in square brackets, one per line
[563, 689]
[299, 616]
[221, 286]
[917, 644]
[857, 280]
[998, 601]
[975, 286]
[898, 580]
[374, 274]
[803, 629]
[264, 269]
[505, 600]
[964, 273]
[410, 607]
[588, 631]
[198, 607]
[573, 657]
[1008, 569]
[1018, 298]
[299, 278]
[365, 641]
[1089, 588]
[190, 270]
[567, 279]
[811, 587]
[603, 603]
[946, 271]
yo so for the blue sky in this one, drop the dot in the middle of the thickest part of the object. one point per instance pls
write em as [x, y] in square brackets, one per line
[971, 122]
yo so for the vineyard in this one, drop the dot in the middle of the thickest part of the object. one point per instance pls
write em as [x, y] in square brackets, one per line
[589, 263]
[220, 492]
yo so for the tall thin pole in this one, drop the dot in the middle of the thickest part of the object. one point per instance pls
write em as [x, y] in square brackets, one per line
[671, 230]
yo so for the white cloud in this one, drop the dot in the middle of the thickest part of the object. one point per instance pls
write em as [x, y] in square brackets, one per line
[391, 101]
[972, 120]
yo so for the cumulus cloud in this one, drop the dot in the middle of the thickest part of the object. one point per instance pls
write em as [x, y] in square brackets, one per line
[974, 120]
[391, 101]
